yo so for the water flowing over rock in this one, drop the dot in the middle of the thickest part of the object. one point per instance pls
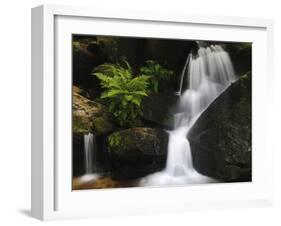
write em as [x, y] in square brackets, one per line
[90, 159]
[90, 147]
[206, 74]
[221, 138]
[89, 117]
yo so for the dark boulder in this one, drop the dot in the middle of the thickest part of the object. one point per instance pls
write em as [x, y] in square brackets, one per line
[241, 56]
[158, 110]
[221, 138]
[136, 152]
[86, 56]
[78, 156]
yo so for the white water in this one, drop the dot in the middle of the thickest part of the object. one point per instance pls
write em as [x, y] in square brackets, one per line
[90, 149]
[208, 74]
[183, 73]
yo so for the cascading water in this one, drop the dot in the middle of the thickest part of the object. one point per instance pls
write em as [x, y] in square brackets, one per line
[208, 73]
[183, 73]
[90, 148]
[89, 152]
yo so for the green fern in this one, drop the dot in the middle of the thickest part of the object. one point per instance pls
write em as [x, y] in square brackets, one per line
[124, 91]
[157, 73]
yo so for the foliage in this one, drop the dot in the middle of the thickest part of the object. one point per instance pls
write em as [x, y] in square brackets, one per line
[118, 140]
[123, 90]
[79, 125]
[245, 46]
[157, 73]
[108, 47]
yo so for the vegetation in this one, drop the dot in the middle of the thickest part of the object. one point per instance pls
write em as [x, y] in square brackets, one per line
[129, 107]
[124, 91]
[78, 125]
[108, 47]
[157, 73]
[244, 46]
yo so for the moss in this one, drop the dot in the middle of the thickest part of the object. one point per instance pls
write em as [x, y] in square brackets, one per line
[120, 141]
[91, 116]
[78, 125]
[102, 125]
[108, 47]
[94, 104]
[114, 140]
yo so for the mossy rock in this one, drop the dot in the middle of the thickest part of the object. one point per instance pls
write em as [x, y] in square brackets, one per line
[90, 116]
[221, 139]
[137, 152]
[103, 125]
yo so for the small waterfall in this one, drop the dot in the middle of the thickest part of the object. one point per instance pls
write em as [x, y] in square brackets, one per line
[209, 73]
[89, 140]
[183, 73]
[90, 148]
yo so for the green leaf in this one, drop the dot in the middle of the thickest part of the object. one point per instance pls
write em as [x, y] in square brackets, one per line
[128, 97]
[156, 72]
[139, 93]
[136, 101]
[155, 86]
[124, 91]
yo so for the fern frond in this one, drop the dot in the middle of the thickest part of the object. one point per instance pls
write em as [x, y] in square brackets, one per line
[123, 90]
[113, 92]
[138, 83]
[105, 68]
[139, 93]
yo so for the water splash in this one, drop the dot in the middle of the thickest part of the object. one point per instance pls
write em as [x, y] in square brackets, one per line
[209, 72]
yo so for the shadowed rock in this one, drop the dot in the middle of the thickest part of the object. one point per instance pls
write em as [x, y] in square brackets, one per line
[88, 117]
[137, 152]
[221, 138]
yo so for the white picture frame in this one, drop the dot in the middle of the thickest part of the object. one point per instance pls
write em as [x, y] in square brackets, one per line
[52, 197]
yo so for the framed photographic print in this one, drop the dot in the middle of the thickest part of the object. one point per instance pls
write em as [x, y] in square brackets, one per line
[135, 112]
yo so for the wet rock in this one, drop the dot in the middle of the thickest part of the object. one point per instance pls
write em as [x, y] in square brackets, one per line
[221, 138]
[240, 54]
[88, 117]
[137, 152]
[78, 156]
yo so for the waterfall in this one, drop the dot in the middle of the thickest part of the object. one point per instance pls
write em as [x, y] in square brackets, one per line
[90, 153]
[183, 73]
[209, 72]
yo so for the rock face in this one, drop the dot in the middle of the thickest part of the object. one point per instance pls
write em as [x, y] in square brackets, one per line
[88, 116]
[241, 57]
[137, 152]
[78, 156]
[158, 110]
[221, 138]
[86, 56]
